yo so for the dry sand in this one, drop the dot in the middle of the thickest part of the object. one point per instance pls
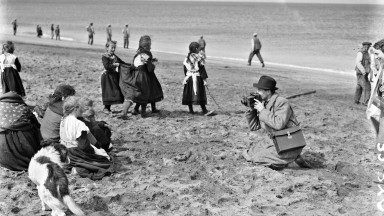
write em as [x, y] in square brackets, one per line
[213, 179]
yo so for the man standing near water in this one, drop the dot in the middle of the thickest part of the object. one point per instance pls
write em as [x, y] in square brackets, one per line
[109, 33]
[363, 63]
[255, 50]
[91, 32]
[125, 32]
[202, 43]
[14, 25]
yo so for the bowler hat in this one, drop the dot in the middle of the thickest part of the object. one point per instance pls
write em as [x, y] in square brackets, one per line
[266, 83]
[367, 43]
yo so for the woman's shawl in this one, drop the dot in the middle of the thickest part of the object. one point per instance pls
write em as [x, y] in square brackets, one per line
[15, 114]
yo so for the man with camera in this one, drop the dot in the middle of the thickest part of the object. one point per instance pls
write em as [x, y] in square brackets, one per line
[271, 113]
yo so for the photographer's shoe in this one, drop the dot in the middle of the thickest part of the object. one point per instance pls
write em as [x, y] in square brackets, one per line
[302, 163]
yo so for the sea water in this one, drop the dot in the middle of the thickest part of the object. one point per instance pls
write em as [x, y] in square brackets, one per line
[311, 36]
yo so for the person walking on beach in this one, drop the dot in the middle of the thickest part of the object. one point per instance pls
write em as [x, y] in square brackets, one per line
[363, 64]
[52, 31]
[195, 80]
[39, 31]
[91, 32]
[274, 113]
[57, 32]
[125, 32]
[109, 32]
[202, 43]
[110, 90]
[255, 50]
[14, 25]
[9, 70]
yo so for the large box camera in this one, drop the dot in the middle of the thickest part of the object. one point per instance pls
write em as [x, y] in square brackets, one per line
[249, 101]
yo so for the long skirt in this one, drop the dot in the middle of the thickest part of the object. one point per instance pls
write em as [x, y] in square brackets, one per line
[18, 147]
[134, 84]
[263, 152]
[156, 92]
[89, 165]
[11, 81]
[192, 98]
[110, 90]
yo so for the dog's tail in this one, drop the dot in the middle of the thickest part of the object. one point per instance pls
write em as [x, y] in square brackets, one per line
[73, 206]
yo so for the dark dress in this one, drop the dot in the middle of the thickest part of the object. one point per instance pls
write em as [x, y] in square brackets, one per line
[100, 131]
[50, 124]
[135, 82]
[10, 78]
[19, 133]
[110, 90]
[155, 90]
[189, 96]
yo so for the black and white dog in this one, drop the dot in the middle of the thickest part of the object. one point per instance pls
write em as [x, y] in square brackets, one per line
[45, 170]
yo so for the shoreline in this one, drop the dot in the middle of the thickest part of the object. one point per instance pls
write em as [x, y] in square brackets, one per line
[46, 41]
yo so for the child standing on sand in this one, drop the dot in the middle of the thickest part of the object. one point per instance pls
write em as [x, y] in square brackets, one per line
[9, 69]
[195, 80]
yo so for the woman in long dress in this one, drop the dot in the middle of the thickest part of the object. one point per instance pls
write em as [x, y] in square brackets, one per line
[19, 132]
[110, 90]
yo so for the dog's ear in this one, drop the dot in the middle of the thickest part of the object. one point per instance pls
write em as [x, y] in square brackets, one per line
[62, 151]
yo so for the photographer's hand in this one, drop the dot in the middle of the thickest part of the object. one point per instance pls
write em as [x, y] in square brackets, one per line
[259, 105]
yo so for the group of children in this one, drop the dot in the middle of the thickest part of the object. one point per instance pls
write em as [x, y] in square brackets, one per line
[70, 120]
[126, 83]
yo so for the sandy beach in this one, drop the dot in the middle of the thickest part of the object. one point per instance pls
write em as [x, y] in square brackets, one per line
[213, 178]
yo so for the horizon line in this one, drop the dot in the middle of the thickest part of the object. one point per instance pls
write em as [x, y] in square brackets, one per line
[353, 2]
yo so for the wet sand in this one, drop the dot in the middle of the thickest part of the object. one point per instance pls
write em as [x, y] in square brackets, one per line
[213, 178]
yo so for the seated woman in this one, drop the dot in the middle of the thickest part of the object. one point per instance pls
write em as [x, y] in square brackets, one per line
[87, 160]
[50, 124]
[19, 132]
[99, 129]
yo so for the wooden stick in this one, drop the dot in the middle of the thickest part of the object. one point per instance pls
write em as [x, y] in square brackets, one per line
[301, 94]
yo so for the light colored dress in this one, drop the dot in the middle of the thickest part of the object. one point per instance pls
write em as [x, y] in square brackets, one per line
[71, 129]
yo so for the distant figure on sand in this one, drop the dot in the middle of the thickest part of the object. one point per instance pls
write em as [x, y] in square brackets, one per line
[39, 31]
[202, 43]
[110, 90]
[195, 80]
[109, 32]
[91, 32]
[14, 26]
[125, 32]
[9, 69]
[363, 64]
[255, 50]
[52, 31]
[57, 32]
[273, 113]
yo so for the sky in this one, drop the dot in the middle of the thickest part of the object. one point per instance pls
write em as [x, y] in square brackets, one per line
[304, 1]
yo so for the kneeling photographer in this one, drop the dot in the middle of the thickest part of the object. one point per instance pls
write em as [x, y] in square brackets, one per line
[281, 140]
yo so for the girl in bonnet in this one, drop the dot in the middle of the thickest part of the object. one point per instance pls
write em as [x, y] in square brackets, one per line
[195, 80]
